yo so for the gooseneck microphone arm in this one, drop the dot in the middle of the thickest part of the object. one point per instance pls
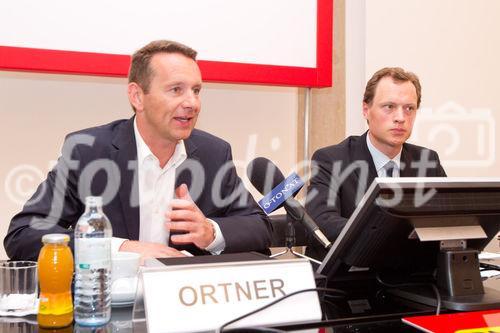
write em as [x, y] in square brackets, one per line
[298, 213]
[263, 173]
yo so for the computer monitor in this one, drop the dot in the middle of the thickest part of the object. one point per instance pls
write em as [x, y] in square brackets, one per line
[424, 225]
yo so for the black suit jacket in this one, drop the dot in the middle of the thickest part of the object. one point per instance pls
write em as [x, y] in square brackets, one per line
[103, 161]
[341, 175]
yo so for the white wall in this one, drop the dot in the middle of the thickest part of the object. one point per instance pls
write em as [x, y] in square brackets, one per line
[256, 32]
[37, 110]
[355, 63]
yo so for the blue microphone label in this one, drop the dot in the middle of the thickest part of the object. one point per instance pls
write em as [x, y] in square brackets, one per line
[288, 187]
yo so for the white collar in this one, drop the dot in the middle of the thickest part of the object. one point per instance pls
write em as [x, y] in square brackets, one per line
[379, 158]
[143, 151]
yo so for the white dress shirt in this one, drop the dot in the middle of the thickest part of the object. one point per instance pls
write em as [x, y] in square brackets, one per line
[156, 190]
[380, 160]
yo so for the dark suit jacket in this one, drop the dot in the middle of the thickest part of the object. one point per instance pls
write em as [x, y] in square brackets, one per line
[333, 194]
[109, 154]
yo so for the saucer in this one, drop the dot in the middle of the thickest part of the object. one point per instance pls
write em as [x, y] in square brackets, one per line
[122, 304]
[123, 290]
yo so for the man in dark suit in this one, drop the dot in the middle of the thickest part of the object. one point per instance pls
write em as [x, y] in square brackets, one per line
[166, 186]
[342, 173]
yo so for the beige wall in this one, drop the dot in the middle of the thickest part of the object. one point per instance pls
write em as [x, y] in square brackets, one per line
[39, 109]
[454, 46]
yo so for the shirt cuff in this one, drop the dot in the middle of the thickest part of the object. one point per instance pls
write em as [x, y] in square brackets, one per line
[219, 243]
[116, 243]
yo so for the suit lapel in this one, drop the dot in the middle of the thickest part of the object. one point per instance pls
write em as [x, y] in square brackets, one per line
[360, 152]
[406, 159]
[125, 156]
[185, 177]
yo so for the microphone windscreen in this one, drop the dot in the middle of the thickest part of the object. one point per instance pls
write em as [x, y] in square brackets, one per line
[264, 174]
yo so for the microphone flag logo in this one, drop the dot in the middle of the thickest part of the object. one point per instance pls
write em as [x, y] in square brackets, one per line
[278, 195]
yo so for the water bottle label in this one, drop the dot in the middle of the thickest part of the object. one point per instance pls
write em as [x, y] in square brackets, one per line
[93, 253]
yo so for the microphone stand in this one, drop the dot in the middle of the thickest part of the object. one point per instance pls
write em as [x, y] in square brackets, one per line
[290, 243]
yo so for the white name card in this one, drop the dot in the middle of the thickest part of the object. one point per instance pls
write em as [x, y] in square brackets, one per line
[193, 298]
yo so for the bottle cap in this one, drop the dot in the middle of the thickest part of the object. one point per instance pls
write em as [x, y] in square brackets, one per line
[55, 238]
[93, 201]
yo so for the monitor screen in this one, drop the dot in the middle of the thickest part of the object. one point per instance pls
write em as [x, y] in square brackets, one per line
[400, 222]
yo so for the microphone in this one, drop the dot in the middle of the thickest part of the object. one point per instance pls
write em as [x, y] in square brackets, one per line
[265, 176]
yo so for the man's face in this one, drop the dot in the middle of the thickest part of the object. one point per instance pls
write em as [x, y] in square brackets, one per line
[170, 108]
[391, 115]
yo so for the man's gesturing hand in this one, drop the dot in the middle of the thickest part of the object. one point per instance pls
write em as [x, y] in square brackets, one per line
[185, 216]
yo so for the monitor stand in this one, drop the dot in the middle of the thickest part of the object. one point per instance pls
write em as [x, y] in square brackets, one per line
[459, 283]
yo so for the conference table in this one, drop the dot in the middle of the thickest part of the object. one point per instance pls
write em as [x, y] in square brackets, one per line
[384, 315]
[121, 321]
[385, 318]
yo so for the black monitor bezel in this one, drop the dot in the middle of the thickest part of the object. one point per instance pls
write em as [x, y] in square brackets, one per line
[333, 260]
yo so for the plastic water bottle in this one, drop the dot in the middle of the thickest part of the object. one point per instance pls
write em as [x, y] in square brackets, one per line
[92, 301]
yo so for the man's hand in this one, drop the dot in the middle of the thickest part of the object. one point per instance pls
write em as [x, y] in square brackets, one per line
[186, 216]
[150, 250]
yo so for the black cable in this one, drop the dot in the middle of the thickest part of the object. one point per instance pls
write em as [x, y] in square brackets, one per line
[414, 284]
[331, 305]
[340, 292]
[336, 296]
[254, 329]
[221, 328]
[488, 267]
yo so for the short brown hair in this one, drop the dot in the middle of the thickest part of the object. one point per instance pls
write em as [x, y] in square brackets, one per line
[141, 73]
[397, 74]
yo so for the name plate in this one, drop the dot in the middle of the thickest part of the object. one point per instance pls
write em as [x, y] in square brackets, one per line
[193, 298]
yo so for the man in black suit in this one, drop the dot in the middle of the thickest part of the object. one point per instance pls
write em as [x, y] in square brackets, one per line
[166, 186]
[342, 173]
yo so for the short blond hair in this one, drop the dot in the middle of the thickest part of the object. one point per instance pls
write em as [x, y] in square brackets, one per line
[397, 74]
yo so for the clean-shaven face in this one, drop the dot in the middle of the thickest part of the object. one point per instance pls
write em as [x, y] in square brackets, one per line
[172, 104]
[391, 115]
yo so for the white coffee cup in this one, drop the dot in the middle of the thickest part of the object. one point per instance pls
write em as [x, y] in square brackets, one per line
[124, 269]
